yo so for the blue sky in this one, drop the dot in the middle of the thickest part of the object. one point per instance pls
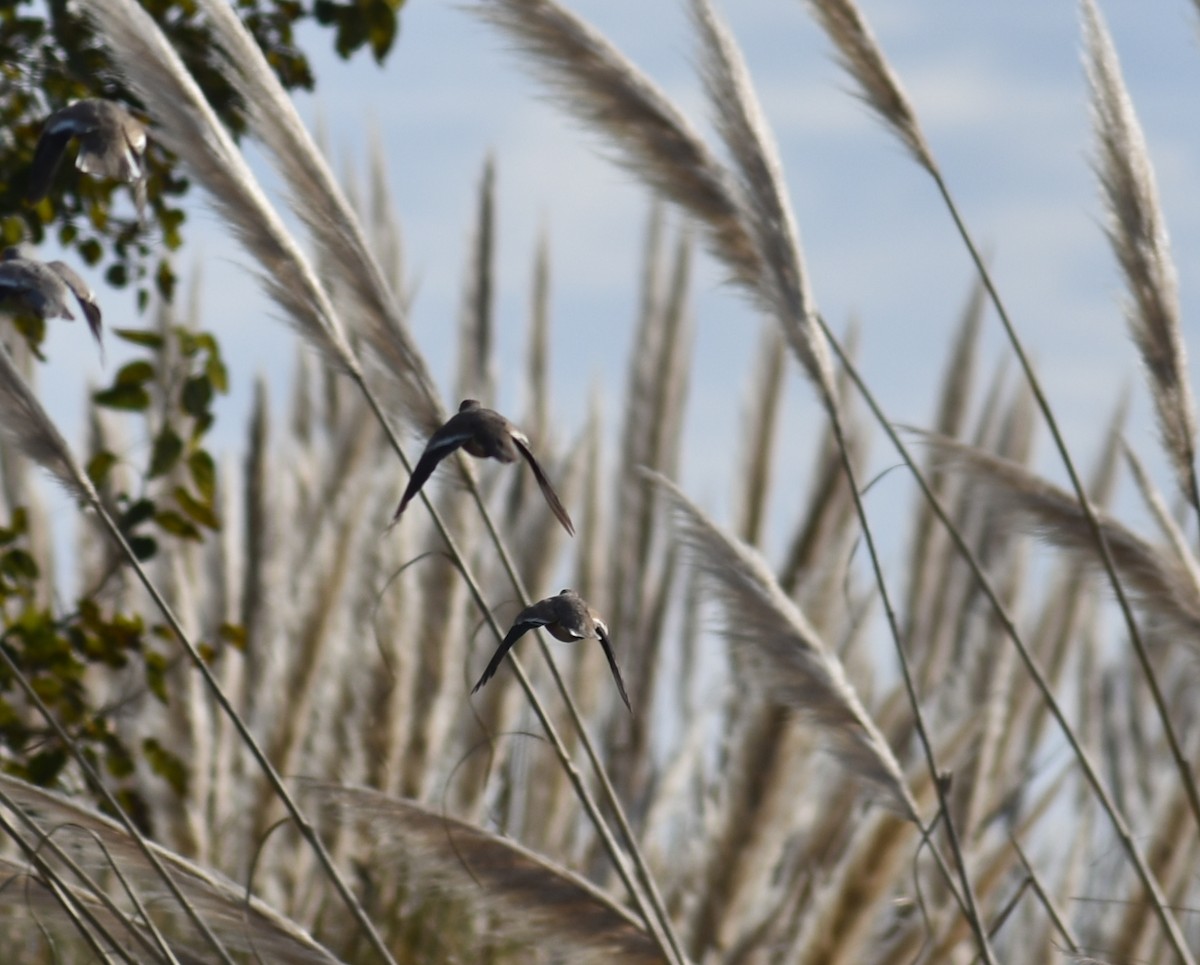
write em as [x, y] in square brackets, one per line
[1000, 93]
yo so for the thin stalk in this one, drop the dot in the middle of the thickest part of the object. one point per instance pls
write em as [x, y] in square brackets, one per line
[657, 922]
[306, 830]
[1120, 826]
[97, 782]
[1135, 637]
[971, 910]
[610, 792]
[1060, 924]
[1010, 906]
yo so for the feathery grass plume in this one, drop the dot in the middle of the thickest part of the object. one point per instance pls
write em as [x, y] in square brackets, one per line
[817, 564]
[766, 388]
[798, 669]
[1094, 528]
[652, 435]
[318, 620]
[631, 541]
[243, 924]
[387, 239]
[929, 541]
[531, 899]
[260, 574]
[476, 376]
[861, 58]
[1066, 624]
[1162, 586]
[1138, 234]
[319, 202]
[535, 393]
[763, 775]
[594, 551]
[650, 137]
[51, 862]
[835, 923]
[186, 125]
[538, 346]
[28, 427]
[935, 620]
[783, 289]
[38, 906]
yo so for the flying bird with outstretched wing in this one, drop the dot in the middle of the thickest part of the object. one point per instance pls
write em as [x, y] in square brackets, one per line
[485, 434]
[43, 287]
[112, 143]
[566, 617]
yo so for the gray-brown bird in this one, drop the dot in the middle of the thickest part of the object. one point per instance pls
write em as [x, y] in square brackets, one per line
[485, 434]
[112, 143]
[567, 617]
[42, 287]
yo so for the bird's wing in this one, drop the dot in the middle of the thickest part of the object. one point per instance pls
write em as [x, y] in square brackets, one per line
[441, 444]
[606, 645]
[84, 295]
[528, 620]
[26, 282]
[46, 158]
[12, 278]
[556, 505]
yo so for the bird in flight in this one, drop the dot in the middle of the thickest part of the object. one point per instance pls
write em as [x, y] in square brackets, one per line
[42, 287]
[111, 145]
[484, 434]
[567, 617]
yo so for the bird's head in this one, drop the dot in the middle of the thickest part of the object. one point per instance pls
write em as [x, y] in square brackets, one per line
[467, 404]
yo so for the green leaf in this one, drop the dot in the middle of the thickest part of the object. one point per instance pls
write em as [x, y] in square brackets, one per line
[165, 278]
[202, 513]
[204, 474]
[45, 766]
[168, 447]
[134, 373]
[217, 374]
[99, 466]
[19, 566]
[156, 674]
[234, 634]
[91, 251]
[17, 528]
[118, 761]
[197, 395]
[117, 275]
[144, 547]
[166, 765]
[132, 398]
[381, 16]
[140, 336]
[137, 513]
[175, 524]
